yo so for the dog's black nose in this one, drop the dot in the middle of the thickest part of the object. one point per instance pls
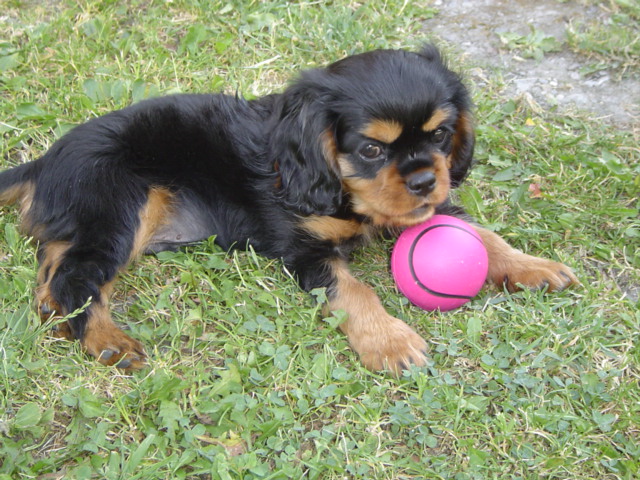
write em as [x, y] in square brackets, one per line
[421, 183]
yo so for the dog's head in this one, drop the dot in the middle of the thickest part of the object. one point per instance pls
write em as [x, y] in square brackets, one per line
[388, 131]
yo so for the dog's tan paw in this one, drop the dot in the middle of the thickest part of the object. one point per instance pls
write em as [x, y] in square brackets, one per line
[537, 273]
[392, 346]
[515, 270]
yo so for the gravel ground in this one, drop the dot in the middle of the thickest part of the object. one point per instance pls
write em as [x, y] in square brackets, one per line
[473, 28]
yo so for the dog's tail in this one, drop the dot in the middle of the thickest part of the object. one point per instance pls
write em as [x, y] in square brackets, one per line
[17, 183]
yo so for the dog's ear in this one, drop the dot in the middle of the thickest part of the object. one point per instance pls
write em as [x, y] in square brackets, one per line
[431, 53]
[303, 146]
[462, 153]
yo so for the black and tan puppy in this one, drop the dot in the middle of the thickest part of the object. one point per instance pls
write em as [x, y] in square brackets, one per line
[372, 142]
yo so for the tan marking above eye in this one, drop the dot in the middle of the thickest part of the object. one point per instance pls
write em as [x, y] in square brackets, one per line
[438, 117]
[385, 131]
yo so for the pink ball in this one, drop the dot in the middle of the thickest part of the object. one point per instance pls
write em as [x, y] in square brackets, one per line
[440, 264]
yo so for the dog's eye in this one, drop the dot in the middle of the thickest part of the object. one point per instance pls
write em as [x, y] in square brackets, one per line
[440, 136]
[371, 151]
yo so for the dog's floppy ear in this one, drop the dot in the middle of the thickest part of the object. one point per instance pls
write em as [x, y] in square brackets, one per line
[462, 153]
[302, 144]
[431, 53]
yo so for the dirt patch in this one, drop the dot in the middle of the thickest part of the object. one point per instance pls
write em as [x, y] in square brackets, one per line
[474, 26]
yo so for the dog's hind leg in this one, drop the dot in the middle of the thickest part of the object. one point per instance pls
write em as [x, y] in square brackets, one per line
[76, 279]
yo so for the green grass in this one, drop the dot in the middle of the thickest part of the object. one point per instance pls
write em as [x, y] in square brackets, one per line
[247, 379]
[613, 44]
[608, 39]
[534, 45]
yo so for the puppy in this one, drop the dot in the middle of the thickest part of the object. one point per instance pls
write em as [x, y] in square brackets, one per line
[370, 143]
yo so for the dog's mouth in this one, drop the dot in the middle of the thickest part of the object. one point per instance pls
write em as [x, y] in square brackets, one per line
[421, 211]
[396, 219]
[417, 215]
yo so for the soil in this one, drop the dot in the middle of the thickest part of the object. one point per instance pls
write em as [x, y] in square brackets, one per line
[472, 27]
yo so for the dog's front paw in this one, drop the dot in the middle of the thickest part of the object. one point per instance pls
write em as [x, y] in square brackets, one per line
[515, 270]
[389, 345]
[534, 272]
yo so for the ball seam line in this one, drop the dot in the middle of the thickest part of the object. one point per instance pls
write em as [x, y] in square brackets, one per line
[413, 272]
